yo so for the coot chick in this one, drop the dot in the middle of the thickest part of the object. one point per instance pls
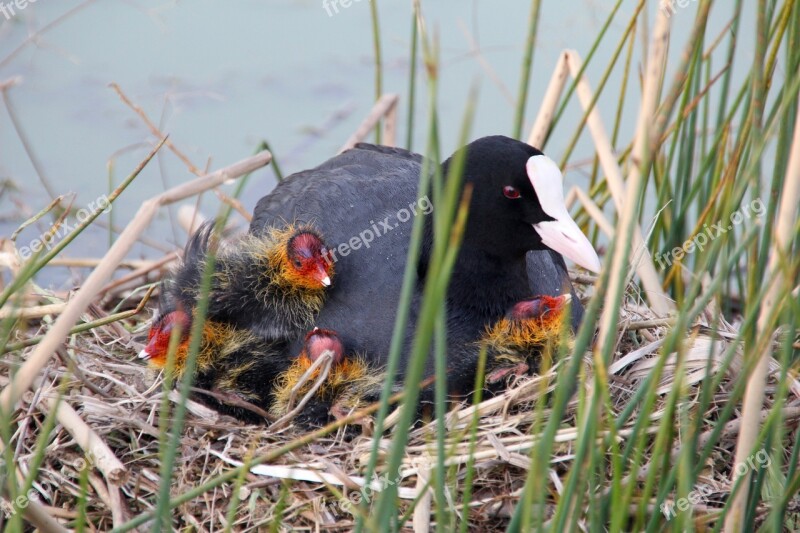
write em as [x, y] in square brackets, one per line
[364, 201]
[350, 384]
[529, 332]
[273, 284]
[263, 292]
[234, 364]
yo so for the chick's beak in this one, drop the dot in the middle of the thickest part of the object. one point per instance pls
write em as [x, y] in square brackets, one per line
[322, 276]
[149, 350]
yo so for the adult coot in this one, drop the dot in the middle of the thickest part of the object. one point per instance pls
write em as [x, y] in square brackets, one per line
[364, 200]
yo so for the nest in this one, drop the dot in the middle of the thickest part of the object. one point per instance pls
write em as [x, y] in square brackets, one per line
[115, 462]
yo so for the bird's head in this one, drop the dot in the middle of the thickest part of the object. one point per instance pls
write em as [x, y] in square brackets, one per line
[318, 341]
[518, 203]
[310, 264]
[177, 323]
[539, 307]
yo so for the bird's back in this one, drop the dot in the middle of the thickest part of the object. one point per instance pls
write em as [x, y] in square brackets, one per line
[364, 195]
[359, 201]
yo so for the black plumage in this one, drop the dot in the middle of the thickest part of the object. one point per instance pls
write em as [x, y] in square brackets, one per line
[263, 292]
[363, 201]
[256, 284]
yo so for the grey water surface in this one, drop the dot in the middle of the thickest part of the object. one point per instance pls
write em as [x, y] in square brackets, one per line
[220, 77]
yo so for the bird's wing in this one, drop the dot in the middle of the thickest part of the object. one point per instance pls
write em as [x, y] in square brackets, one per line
[548, 275]
[362, 202]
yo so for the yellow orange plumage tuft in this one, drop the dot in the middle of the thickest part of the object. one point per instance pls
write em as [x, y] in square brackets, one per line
[343, 380]
[511, 341]
[218, 341]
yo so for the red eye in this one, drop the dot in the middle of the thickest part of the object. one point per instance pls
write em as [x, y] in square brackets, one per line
[511, 192]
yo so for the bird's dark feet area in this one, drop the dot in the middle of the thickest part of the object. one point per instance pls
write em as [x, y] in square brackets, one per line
[501, 374]
[232, 404]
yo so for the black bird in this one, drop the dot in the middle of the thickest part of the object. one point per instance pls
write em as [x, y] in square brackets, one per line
[363, 201]
[351, 383]
[273, 284]
[264, 291]
[516, 343]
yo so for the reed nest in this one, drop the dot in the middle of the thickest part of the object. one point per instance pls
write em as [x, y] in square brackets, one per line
[671, 400]
[316, 485]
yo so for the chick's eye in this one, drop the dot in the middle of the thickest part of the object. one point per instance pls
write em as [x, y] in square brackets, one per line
[511, 192]
[298, 263]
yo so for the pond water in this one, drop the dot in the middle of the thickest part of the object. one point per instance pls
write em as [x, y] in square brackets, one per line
[220, 77]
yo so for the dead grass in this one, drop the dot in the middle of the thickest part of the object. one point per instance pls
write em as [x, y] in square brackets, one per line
[120, 399]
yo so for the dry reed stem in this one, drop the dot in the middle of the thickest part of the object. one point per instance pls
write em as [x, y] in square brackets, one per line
[382, 108]
[40, 517]
[592, 209]
[389, 137]
[753, 401]
[628, 216]
[91, 262]
[306, 474]
[541, 126]
[102, 273]
[236, 204]
[154, 129]
[190, 219]
[197, 409]
[643, 265]
[11, 82]
[325, 360]
[36, 35]
[571, 63]
[31, 312]
[97, 450]
[119, 511]
[142, 271]
[422, 512]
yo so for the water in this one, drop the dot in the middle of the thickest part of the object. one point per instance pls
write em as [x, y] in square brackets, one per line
[219, 77]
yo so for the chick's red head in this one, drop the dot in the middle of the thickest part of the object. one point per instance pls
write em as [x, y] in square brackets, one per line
[319, 341]
[311, 263]
[160, 334]
[540, 307]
